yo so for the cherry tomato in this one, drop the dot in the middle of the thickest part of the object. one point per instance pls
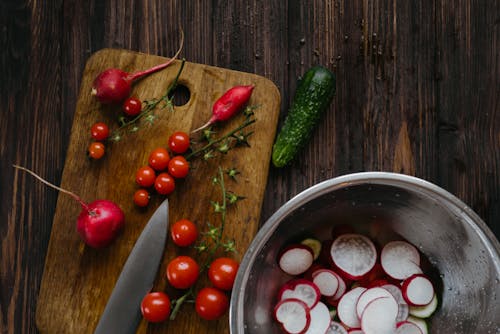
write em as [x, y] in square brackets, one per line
[99, 131]
[178, 142]
[222, 273]
[132, 106]
[96, 150]
[158, 159]
[145, 176]
[182, 272]
[184, 232]
[211, 303]
[141, 198]
[178, 167]
[155, 307]
[164, 184]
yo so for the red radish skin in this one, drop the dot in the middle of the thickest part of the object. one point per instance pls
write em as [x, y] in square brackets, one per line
[406, 327]
[370, 295]
[99, 222]
[320, 319]
[353, 254]
[301, 289]
[293, 315]
[113, 85]
[296, 259]
[327, 282]
[417, 290]
[228, 104]
[355, 331]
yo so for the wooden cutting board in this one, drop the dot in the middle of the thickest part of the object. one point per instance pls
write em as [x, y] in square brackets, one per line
[78, 280]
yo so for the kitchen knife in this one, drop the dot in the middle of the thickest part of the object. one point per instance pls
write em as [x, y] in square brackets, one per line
[122, 313]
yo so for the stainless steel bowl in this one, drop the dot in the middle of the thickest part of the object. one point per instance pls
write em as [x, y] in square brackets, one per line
[457, 243]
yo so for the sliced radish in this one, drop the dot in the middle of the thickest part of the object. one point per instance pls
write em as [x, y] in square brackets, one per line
[426, 310]
[400, 259]
[406, 327]
[346, 308]
[296, 259]
[417, 290]
[300, 289]
[320, 319]
[336, 328]
[314, 244]
[370, 295]
[354, 254]
[398, 295]
[420, 323]
[379, 316]
[355, 331]
[334, 300]
[327, 281]
[293, 315]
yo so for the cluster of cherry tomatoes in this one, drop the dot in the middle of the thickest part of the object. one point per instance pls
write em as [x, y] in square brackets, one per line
[162, 169]
[100, 131]
[183, 272]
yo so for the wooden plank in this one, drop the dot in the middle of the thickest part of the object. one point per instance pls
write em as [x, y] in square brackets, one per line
[84, 277]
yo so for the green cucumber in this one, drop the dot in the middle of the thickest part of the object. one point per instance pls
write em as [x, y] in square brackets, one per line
[312, 98]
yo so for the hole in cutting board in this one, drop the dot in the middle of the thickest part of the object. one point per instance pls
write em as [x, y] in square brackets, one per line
[181, 95]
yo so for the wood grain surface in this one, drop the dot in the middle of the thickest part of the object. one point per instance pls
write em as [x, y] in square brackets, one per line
[418, 88]
[84, 277]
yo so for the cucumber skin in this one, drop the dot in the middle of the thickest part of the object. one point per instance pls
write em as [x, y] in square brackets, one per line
[312, 98]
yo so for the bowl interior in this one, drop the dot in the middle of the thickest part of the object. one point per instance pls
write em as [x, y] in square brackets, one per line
[460, 258]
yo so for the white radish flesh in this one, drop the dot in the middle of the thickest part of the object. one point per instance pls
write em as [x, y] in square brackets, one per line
[336, 328]
[379, 316]
[327, 282]
[347, 307]
[301, 289]
[293, 315]
[314, 244]
[426, 310]
[407, 327]
[400, 260]
[422, 325]
[296, 259]
[417, 290]
[341, 290]
[320, 319]
[395, 291]
[355, 331]
[354, 254]
[370, 295]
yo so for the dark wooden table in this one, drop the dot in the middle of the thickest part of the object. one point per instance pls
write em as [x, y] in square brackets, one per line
[418, 92]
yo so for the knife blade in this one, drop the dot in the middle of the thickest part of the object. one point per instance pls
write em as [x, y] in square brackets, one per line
[122, 312]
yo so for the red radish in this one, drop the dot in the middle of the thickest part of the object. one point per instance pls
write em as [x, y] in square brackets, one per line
[293, 315]
[406, 327]
[422, 325]
[400, 259]
[395, 291]
[296, 259]
[346, 309]
[379, 316]
[320, 319]
[301, 289]
[327, 282]
[113, 85]
[228, 104]
[417, 290]
[336, 328]
[99, 221]
[370, 295]
[426, 310]
[354, 254]
[314, 244]
[333, 300]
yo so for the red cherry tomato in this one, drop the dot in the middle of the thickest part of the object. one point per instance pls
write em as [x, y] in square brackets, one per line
[99, 131]
[145, 176]
[155, 307]
[96, 150]
[184, 232]
[132, 106]
[141, 198]
[164, 184]
[222, 273]
[158, 159]
[179, 142]
[178, 167]
[211, 303]
[182, 272]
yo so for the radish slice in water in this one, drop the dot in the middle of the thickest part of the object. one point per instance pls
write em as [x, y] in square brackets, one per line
[327, 282]
[398, 295]
[354, 254]
[336, 328]
[355, 331]
[296, 259]
[400, 259]
[417, 290]
[379, 316]
[293, 315]
[370, 295]
[320, 319]
[420, 323]
[426, 310]
[301, 289]
[314, 244]
[407, 327]
[347, 307]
